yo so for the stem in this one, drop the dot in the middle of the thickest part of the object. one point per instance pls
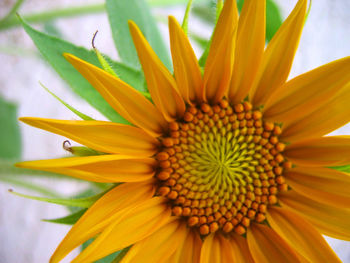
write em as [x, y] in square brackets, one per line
[185, 20]
[13, 10]
[29, 186]
[50, 15]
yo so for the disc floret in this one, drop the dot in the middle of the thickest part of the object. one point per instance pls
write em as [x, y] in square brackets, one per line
[221, 167]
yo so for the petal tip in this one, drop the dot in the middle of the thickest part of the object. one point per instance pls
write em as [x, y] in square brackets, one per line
[132, 25]
[27, 120]
[20, 165]
[172, 20]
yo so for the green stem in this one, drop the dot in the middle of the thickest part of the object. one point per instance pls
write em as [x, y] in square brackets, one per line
[185, 20]
[29, 186]
[50, 15]
[13, 10]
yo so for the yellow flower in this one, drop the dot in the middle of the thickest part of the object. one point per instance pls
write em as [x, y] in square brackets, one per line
[228, 167]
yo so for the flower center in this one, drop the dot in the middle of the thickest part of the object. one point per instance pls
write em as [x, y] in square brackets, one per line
[221, 167]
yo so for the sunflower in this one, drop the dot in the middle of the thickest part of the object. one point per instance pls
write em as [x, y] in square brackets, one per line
[231, 165]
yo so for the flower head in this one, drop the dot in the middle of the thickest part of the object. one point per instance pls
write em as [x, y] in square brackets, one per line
[230, 166]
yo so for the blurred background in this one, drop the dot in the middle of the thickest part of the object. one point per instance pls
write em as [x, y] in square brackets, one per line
[24, 237]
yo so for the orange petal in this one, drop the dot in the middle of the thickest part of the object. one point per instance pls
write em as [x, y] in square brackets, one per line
[308, 92]
[331, 116]
[321, 184]
[211, 251]
[102, 168]
[240, 249]
[102, 136]
[267, 246]
[158, 247]
[278, 56]
[216, 248]
[130, 227]
[190, 250]
[187, 72]
[249, 48]
[329, 220]
[301, 235]
[102, 213]
[127, 101]
[324, 151]
[160, 82]
[218, 67]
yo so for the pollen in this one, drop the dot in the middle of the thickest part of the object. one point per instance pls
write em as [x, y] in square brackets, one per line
[221, 166]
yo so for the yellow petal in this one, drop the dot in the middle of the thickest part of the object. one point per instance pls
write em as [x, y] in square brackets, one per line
[127, 101]
[186, 69]
[160, 82]
[301, 235]
[227, 253]
[321, 184]
[324, 151]
[102, 213]
[331, 116]
[241, 250]
[190, 250]
[278, 56]
[308, 92]
[210, 250]
[329, 220]
[249, 49]
[102, 168]
[102, 136]
[267, 246]
[218, 67]
[130, 227]
[216, 248]
[158, 247]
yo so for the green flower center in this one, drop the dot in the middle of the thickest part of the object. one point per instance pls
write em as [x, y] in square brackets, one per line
[221, 167]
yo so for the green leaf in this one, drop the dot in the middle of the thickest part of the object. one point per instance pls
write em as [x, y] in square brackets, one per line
[273, 19]
[10, 137]
[108, 259]
[72, 109]
[21, 177]
[28, 185]
[67, 220]
[344, 168]
[121, 255]
[78, 202]
[50, 28]
[52, 49]
[201, 41]
[205, 10]
[203, 58]
[167, 2]
[80, 150]
[119, 12]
